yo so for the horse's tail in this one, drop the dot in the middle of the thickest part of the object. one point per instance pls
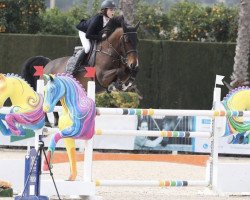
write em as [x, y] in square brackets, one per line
[28, 69]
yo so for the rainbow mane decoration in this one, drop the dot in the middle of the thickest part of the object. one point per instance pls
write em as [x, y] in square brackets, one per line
[237, 99]
[26, 106]
[78, 117]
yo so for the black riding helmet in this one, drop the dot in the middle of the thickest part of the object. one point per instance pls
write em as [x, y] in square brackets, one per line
[108, 4]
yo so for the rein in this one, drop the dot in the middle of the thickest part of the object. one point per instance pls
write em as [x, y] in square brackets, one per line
[118, 56]
[121, 57]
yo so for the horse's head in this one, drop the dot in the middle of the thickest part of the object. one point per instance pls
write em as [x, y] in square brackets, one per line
[4, 90]
[129, 42]
[54, 91]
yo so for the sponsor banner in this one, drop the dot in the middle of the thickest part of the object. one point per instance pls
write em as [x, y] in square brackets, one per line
[230, 144]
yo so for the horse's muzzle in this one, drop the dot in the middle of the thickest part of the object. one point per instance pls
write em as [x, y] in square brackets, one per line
[134, 66]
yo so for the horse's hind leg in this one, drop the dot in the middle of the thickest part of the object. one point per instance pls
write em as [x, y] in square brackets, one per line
[47, 123]
[71, 151]
[56, 118]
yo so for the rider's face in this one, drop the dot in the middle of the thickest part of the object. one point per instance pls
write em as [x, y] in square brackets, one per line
[110, 12]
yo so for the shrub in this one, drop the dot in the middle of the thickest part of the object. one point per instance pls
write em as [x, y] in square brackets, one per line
[117, 99]
[57, 23]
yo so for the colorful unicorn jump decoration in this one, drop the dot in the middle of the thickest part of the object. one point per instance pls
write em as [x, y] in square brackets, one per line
[77, 120]
[237, 99]
[26, 106]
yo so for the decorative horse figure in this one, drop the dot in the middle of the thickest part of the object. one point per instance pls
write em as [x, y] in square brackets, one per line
[116, 59]
[26, 106]
[237, 99]
[77, 120]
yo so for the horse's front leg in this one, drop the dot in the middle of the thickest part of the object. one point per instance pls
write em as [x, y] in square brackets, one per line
[111, 79]
[71, 151]
[12, 120]
[53, 141]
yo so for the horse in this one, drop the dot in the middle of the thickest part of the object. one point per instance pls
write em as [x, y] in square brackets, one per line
[77, 120]
[26, 108]
[236, 127]
[115, 59]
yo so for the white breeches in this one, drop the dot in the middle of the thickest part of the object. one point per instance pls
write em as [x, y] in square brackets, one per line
[85, 42]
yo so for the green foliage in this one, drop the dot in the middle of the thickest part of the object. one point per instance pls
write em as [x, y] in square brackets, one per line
[186, 21]
[117, 99]
[78, 12]
[155, 25]
[20, 16]
[224, 23]
[193, 22]
[57, 23]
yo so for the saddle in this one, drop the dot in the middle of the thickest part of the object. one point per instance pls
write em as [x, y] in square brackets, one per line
[81, 60]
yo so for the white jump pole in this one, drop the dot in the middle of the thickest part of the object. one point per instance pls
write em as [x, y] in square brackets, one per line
[88, 153]
[40, 90]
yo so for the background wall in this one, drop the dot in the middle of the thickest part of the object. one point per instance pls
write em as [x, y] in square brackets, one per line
[177, 75]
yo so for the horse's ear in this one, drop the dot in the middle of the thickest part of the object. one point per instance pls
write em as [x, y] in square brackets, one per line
[137, 25]
[47, 77]
[229, 87]
[2, 81]
[51, 77]
[124, 27]
[2, 77]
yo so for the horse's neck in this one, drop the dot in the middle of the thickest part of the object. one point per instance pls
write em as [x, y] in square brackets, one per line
[22, 96]
[64, 106]
[239, 100]
[115, 36]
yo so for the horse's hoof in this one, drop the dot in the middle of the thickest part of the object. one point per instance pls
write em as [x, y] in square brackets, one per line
[72, 178]
[45, 167]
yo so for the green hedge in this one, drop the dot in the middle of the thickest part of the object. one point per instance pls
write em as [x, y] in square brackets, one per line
[178, 75]
[181, 75]
[16, 48]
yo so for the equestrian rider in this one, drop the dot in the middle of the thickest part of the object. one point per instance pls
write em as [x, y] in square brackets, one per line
[90, 29]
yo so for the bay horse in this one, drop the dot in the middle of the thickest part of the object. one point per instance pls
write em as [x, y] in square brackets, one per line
[116, 60]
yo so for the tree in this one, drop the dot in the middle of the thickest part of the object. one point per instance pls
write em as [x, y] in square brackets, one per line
[128, 8]
[20, 16]
[241, 66]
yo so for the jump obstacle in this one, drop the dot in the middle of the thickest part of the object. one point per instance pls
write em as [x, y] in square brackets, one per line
[217, 177]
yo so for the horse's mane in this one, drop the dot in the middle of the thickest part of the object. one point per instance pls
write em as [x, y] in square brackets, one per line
[235, 124]
[233, 92]
[18, 77]
[113, 24]
[73, 87]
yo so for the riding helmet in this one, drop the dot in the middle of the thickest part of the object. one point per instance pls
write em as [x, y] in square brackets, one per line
[108, 4]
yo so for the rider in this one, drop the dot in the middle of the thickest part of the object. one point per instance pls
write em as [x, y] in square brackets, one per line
[90, 30]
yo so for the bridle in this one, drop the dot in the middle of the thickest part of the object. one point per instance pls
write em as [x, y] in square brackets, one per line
[118, 57]
[121, 57]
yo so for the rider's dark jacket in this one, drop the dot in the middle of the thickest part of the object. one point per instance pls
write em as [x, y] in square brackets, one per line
[92, 27]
